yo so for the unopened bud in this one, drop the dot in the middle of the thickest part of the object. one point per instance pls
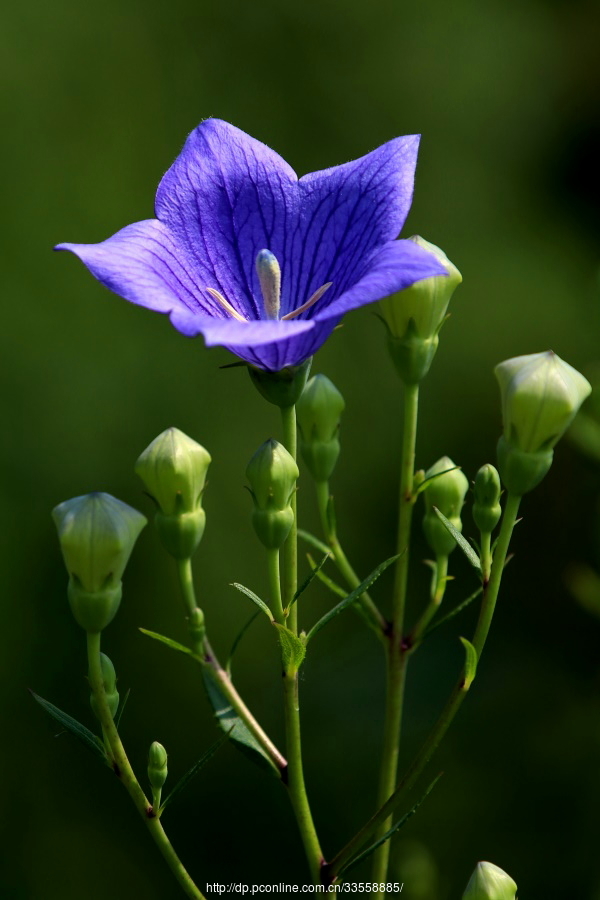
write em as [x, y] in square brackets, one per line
[415, 316]
[272, 474]
[319, 410]
[109, 679]
[489, 882]
[486, 507]
[157, 765]
[541, 395]
[97, 533]
[447, 493]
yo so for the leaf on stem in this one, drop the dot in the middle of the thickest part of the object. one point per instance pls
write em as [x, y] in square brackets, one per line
[454, 612]
[185, 779]
[174, 645]
[293, 649]
[255, 599]
[313, 573]
[460, 540]
[231, 723]
[470, 663]
[351, 598]
[237, 640]
[119, 714]
[83, 734]
[333, 586]
[366, 853]
[313, 541]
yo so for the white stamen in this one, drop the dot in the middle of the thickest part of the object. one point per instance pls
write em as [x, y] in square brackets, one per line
[269, 276]
[316, 296]
[225, 304]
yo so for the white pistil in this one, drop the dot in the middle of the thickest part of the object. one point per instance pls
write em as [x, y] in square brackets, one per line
[269, 276]
[316, 296]
[225, 304]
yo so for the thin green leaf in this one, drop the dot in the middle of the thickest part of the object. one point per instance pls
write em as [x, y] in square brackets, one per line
[238, 638]
[470, 663]
[458, 609]
[83, 734]
[351, 598]
[185, 779]
[119, 714]
[427, 481]
[231, 723]
[313, 541]
[333, 586]
[313, 573]
[366, 853]
[174, 645]
[293, 649]
[255, 599]
[460, 540]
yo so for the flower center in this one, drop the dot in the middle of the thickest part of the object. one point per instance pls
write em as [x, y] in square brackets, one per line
[269, 277]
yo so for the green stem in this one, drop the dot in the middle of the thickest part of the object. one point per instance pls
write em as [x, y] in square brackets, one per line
[123, 770]
[365, 604]
[275, 585]
[437, 595]
[205, 652]
[396, 657]
[296, 785]
[454, 701]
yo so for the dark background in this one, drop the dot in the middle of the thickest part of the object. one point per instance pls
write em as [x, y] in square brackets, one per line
[96, 102]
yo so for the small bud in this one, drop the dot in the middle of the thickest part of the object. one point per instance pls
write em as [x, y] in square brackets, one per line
[272, 474]
[447, 493]
[488, 882]
[157, 766]
[97, 533]
[486, 507]
[109, 679]
[173, 469]
[415, 316]
[196, 626]
[319, 410]
[541, 395]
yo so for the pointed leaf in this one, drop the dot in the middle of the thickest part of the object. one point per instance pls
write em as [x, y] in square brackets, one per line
[255, 599]
[230, 722]
[185, 779]
[351, 598]
[313, 573]
[119, 714]
[83, 734]
[238, 638]
[333, 586]
[470, 663]
[460, 540]
[313, 541]
[293, 649]
[366, 853]
[458, 609]
[175, 645]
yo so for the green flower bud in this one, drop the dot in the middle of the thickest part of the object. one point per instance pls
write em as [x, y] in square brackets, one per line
[541, 395]
[486, 508]
[272, 474]
[283, 387]
[488, 882]
[173, 469]
[415, 316]
[319, 410]
[97, 533]
[157, 765]
[447, 493]
[109, 679]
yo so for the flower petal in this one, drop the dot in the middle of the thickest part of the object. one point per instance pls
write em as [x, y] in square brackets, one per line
[346, 212]
[226, 197]
[144, 264]
[392, 268]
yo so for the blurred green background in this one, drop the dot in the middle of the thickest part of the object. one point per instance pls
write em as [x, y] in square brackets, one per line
[97, 100]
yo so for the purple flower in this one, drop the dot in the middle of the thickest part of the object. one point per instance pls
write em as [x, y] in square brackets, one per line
[255, 259]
